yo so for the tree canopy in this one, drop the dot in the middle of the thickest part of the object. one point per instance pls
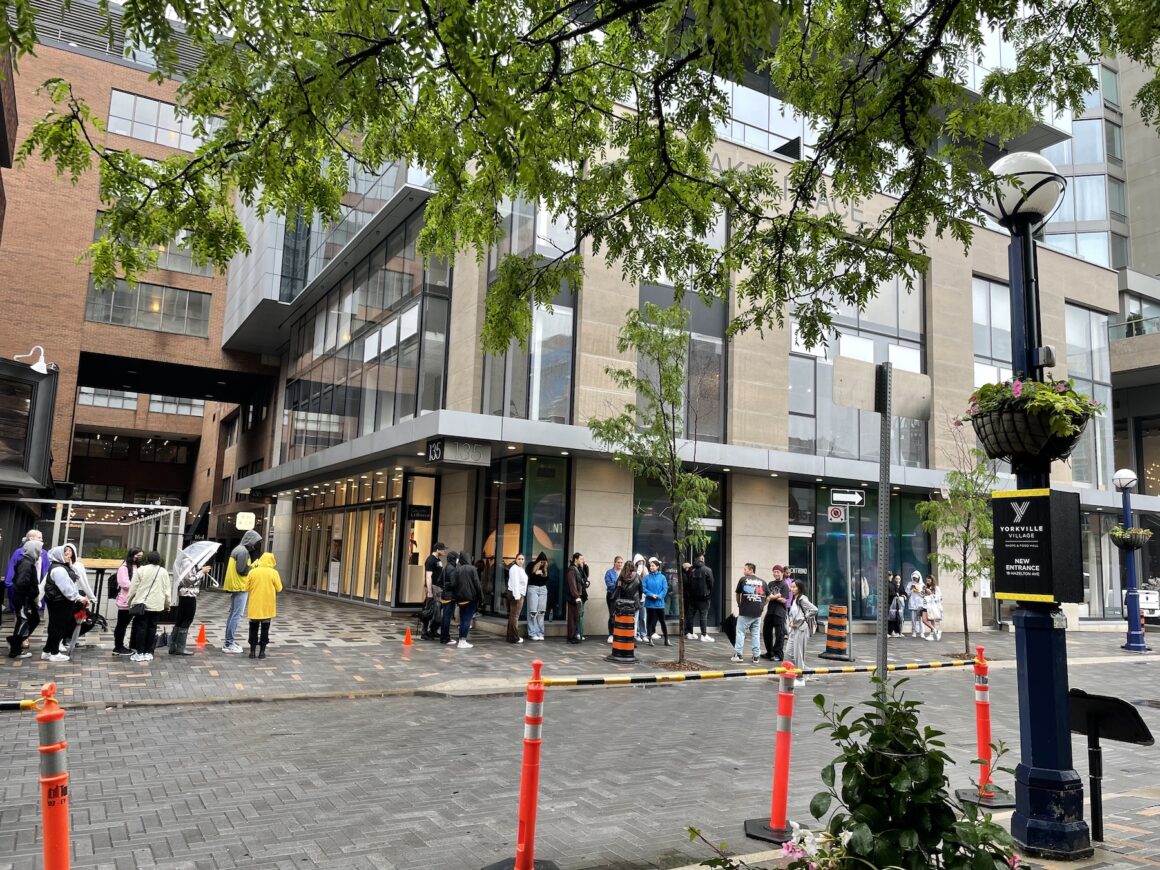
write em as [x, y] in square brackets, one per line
[603, 111]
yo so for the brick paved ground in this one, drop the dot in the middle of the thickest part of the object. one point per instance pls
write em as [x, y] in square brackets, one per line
[326, 647]
[431, 782]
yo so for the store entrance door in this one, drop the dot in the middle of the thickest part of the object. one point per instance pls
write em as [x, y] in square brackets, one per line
[801, 559]
[387, 552]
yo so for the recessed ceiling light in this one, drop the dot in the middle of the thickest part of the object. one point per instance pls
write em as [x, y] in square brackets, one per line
[818, 479]
[398, 468]
[563, 452]
[726, 469]
[378, 474]
[420, 453]
[773, 474]
[866, 484]
[511, 447]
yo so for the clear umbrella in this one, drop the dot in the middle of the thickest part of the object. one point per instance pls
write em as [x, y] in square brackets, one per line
[191, 559]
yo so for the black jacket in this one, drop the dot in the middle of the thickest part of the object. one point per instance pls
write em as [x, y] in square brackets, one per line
[701, 583]
[467, 585]
[24, 578]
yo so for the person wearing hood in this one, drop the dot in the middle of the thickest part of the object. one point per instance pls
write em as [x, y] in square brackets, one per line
[151, 588]
[263, 585]
[469, 595]
[641, 569]
[447, 590]
[537, 596]
[237, 571]
[915, 591]
[125, 574]
[26, 591]
[17, 555]
[63, 598]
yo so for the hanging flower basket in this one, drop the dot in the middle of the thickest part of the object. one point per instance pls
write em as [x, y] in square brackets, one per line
[1030, 421]
[1131, 539]
[1017, 436]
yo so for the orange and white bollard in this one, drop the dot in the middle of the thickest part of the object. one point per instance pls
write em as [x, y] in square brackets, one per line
[984, 794]
[525, 858]
[776, 829]
[53, 780]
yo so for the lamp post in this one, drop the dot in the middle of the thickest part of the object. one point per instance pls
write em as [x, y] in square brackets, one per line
[1125, 482]
[1048, 817]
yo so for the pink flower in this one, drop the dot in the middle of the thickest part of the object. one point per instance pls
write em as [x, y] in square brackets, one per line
[1017, 389]
[1093, 402]
[1013, 862]
[1061, 387]
[958, 423]
[793, 850]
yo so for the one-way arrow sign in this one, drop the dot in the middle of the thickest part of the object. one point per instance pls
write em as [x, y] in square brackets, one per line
[851, 497]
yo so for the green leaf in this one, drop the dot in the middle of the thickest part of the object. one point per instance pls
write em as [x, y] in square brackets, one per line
[828, 776]
[820, 804]
[861, 839]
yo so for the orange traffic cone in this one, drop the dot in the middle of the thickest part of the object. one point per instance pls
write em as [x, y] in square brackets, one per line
[407, 638]
[201, 636]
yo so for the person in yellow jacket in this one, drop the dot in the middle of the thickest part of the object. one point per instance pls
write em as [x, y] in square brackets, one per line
[237, 570]
[263, 585]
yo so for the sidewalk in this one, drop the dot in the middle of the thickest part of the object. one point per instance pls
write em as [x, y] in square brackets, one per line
[327, 648]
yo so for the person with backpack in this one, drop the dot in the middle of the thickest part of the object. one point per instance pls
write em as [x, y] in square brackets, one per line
[448, 591]
[63, 598]
[803, 621]
[26, 579]
[124, 618]
[896, 612]
[17, 555]
[150, 595]
[469, 594]
[700, 596]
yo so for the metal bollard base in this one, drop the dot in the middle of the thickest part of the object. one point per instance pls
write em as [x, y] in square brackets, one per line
[510, 864]
[997, 801]
[759, 829]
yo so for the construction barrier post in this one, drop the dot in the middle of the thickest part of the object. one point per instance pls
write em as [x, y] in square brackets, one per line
[623, 635]
[837, 634]
[777, 828]
[525, 858]
[53, 780]
[985, 795]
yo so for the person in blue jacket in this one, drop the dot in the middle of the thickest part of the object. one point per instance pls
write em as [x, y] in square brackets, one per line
[656, 589]
[10, 574]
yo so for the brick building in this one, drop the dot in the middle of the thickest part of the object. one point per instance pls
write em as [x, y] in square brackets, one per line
[137, 366]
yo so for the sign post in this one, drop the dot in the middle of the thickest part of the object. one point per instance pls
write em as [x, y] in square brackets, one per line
[840, 514]
[859, 384]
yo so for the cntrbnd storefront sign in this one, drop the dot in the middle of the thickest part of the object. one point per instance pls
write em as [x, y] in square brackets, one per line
[1037, 546]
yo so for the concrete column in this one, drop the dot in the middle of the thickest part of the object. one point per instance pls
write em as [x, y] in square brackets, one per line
[603, 301]
[602, 493]
[457, 510]
[757, 528]
[464, 358]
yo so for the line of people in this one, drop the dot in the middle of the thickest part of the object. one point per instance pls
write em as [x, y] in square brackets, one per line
[775, 611]
[924, 601]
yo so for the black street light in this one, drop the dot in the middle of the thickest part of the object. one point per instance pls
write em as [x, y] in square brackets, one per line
[1048, 818]
[1125, 482]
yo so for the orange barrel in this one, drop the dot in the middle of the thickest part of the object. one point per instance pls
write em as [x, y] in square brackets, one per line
[623, 637]
[838, 634]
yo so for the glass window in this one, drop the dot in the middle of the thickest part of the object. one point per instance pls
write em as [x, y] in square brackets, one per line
[1117, 198]
[801, 385]
[1091, 99]
[856, 347]
[150, 306]
[550, 364]
[908, 359]
[434, 355]
[1059, 154]
[1060, 241]
[1087, 143]
[1121, 251]
[1093, 247]
[705, 420]
[1066, 211]
[1079, 346]
[177, 405]
[1110, 84]
[102, 398]
[1114, 140]
[1091, 202]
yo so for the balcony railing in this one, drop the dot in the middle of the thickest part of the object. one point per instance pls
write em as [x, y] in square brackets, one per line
[1133, 327]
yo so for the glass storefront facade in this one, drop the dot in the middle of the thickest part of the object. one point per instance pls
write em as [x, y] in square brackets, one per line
[828, 570]
[525, 503]
[373, 352]
[364, 538]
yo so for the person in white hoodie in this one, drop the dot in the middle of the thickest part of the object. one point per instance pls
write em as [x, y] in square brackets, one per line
[517, 591]
[915, 591]
[63, 598]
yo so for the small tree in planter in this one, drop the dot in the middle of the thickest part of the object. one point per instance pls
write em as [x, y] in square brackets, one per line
[962, 520]
[648, 435]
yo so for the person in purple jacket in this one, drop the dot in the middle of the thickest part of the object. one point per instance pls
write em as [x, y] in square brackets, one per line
[17, 555]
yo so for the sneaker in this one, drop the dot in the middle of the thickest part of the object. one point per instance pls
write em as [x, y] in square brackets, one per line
[929, 636]
[656, 636]
[122, 651]
[464, 645]
[231, 648]
[44, 657]
[736, 658]
[706, 638]
[938, 634]
[148, 657]
[755, 659]
[24, 655]
[609, 639]
[690, 636]
[136, 657]
[450, 643]
[58, 657]
[799, 682]
[519, 640]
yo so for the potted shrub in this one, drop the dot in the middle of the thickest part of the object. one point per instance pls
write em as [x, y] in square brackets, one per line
[1023, 420]
[1131, 538]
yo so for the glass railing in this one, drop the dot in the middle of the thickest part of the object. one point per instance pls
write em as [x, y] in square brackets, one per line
[1133, 327]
